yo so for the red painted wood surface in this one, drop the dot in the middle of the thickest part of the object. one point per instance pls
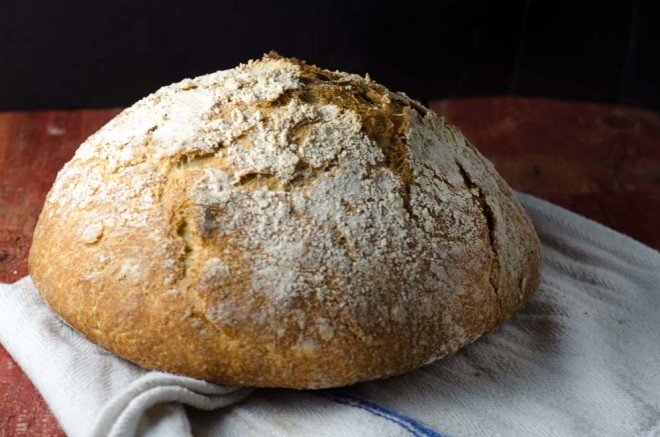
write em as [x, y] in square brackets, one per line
[33, 147]
[601, 161]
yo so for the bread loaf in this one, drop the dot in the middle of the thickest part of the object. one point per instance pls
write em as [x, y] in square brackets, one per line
[281, 225]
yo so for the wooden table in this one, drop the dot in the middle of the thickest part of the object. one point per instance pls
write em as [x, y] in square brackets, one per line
[600, 161]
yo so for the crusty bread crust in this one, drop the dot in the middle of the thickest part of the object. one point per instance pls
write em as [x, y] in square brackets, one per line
[280, 225]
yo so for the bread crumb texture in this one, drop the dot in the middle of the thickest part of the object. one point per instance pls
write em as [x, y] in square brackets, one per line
[277, 224]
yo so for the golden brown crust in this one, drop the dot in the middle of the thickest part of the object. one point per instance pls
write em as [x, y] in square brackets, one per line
[280, 225]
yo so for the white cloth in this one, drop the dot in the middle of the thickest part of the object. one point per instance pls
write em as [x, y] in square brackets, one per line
[582, 358]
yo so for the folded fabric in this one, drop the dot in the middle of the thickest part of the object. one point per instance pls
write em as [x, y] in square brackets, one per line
[582, 358]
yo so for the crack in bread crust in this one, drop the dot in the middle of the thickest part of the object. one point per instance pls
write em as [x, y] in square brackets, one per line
[489, 217]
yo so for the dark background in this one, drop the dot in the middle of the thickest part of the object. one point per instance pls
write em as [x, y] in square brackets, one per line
[68, 54]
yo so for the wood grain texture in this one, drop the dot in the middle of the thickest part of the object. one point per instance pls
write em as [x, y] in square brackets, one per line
[600, 161]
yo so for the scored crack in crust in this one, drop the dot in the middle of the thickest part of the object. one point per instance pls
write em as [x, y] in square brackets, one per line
[281, 225]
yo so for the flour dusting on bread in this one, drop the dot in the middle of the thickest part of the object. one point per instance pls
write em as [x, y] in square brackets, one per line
[316, 208]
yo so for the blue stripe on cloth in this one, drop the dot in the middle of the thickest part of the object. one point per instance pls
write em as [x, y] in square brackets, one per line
[408, 423]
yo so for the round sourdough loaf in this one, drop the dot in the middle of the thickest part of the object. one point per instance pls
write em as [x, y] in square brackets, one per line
[280, 225]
